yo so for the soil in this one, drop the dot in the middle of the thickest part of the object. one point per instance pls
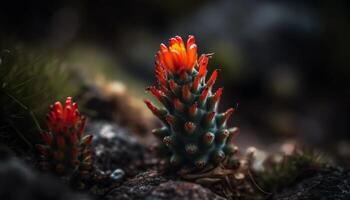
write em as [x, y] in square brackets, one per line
[125, 167]
[326, 184]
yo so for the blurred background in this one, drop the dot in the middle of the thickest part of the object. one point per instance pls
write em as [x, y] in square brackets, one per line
[286, 63]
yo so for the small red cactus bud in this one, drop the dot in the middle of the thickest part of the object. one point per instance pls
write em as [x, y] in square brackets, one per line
[196, 83]
[203, 62]
[204, 95]
[193, 109]
[178, 105]
[217, 95]
[156, 93]
[212, 78]
[186, 93]
[173, 86]
[184, 76]
[152, 107]
[209, 118]
[190, 127]
[160, 74]
[165, 90]
[208, 138]
[170, 119]
[225, 116]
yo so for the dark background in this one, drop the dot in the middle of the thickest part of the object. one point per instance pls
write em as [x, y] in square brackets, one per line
[285, 62]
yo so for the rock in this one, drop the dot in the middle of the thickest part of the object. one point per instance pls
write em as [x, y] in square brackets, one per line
[138, 187]
[111, 101]
[115, 148]
[151, 185]
[18, 182]
[329, 183]
[118, 175]
[182, 191]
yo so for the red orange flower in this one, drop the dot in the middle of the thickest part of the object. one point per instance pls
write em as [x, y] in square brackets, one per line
[64, 147]
[177, 56]
[63, 118]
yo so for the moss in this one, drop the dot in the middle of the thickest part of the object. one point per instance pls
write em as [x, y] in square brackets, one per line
[30, 80]
[279, 175]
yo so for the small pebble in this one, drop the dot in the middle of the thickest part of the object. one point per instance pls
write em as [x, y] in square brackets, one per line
[117, 174]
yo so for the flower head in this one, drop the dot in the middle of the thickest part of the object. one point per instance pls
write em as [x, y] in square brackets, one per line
[63, 118]
[177, 56]
[65, 149]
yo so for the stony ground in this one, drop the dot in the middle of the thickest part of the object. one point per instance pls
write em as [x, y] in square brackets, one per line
[127, 168]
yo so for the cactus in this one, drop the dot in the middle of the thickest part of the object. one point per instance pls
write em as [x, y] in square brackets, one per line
[194, 133]
[66, 150]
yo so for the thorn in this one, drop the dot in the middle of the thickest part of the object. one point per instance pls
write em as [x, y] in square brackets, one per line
[209, 118]
[178, 105]
[208, 138]
[190, 127]
[151, 106]
[212, 79]
[204, 95]
[184, 75]
[186, 93]
[217, 95]
[156, 93]
[170, 119]
[225, 116]
[202, 62]
[173, 86]
[193, 109]
[195, 83]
